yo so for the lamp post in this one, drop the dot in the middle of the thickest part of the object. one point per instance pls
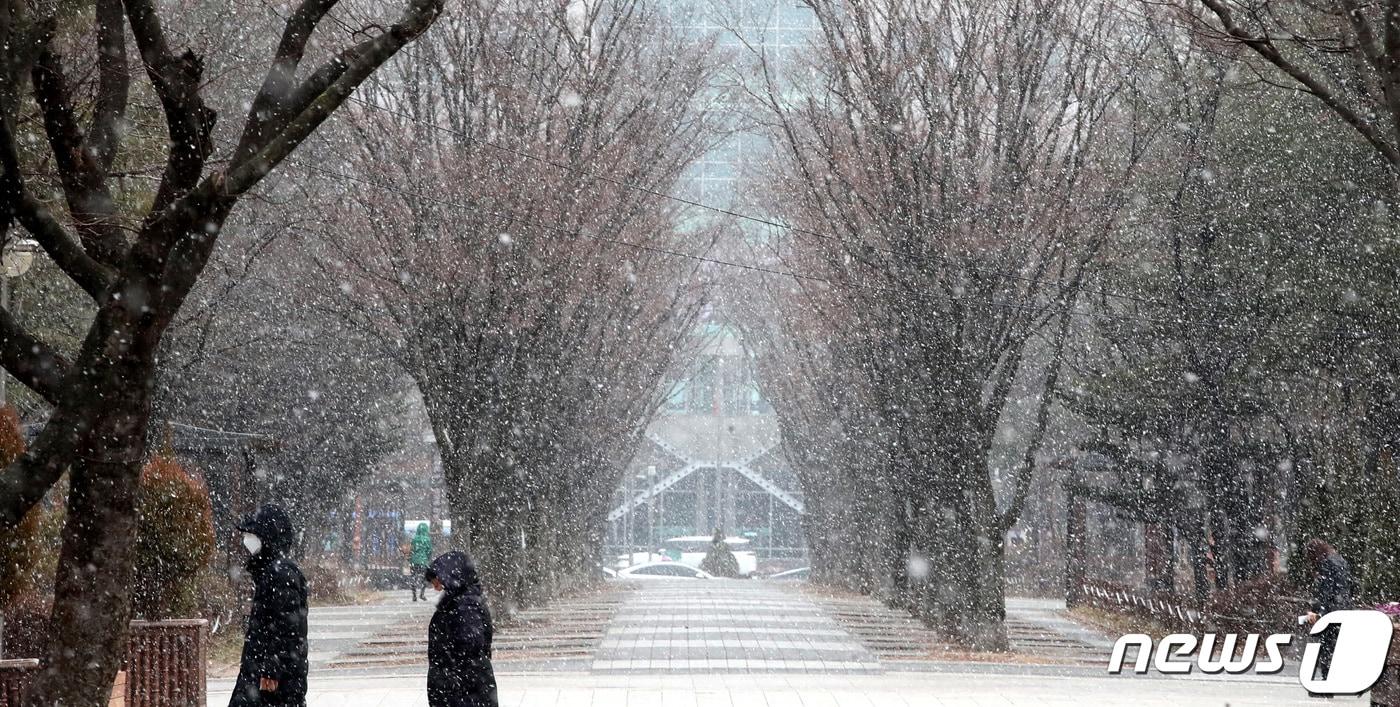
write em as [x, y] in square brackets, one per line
[17, 258]
[651, 510]
[641, 493]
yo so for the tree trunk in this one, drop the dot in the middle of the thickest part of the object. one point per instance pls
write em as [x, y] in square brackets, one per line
[1158, 554]
[977, 618]
[1076, 550]
[88, 628]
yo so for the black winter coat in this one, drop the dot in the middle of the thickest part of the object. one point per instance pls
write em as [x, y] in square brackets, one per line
[459, 638]
[1333, 588]
[275, 643]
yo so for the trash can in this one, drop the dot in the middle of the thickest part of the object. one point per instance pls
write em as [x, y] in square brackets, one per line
[1386, 691]
[14, 677]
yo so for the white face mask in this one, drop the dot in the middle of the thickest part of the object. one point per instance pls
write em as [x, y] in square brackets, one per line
[252, 542]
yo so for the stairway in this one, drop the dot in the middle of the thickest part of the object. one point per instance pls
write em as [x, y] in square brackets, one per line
[1037, 631]
[561, 633]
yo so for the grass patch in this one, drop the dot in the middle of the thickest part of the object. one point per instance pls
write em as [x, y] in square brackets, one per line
[225, 651]
[1113, 624]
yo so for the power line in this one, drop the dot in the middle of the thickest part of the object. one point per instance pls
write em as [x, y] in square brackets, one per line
[1063, 286]
[756, 219]
[647, 247]
[739, 214]
[825, 236]
[773, 224]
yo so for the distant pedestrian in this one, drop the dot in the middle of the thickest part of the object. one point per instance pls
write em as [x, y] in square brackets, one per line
[720, 560]
[459, 637]
[421, 552]
[1333, 590]
[273, 668]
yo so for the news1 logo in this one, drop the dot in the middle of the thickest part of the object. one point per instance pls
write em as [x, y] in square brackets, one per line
[1363, 640]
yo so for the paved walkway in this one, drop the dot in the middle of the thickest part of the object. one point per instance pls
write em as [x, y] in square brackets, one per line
[726, 625]
[389, 635]
[333, 631]
[952, 689]
[733, 643]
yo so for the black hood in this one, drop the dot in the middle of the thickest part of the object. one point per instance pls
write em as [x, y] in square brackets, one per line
[456, 571]
[273, 527]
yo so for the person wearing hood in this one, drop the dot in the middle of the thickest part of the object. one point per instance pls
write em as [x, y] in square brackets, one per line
[422, 551]
[1334, 589]
[273, 668]
[459, 637]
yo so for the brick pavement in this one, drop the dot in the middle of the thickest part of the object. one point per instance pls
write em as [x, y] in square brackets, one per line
[561, 635]
[726, 625]
[951, 689]
[730, 643]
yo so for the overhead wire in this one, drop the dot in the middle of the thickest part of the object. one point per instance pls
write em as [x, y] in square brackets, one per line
[720, 262]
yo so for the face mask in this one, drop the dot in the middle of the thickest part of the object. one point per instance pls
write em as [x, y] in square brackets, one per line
[252, 542]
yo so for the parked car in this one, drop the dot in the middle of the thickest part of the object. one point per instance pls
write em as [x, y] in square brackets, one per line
[663, 571]
[800, 574]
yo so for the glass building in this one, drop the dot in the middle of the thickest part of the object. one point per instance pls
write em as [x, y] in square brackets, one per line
[712, 458]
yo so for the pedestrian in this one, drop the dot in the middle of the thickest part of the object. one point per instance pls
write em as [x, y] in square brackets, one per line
[419, 555]
[273, 668]
[459, 637]
[720, 560]
[1333, 590]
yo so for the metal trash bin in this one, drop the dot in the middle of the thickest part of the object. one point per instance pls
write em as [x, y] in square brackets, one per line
[1386, 691]
[15, 675]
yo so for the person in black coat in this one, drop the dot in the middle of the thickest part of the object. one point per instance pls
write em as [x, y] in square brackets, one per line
[1334, 589]
[273, 669]
[459, 637]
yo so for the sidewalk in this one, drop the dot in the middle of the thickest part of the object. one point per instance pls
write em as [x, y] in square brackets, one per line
[733, 643]
[722, 626]
[949, 689]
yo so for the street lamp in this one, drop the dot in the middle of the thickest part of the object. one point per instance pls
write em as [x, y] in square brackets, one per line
[18, 256]
[16, 259]
[651, 510]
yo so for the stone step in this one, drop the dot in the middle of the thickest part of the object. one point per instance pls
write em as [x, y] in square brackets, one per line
[570, 629]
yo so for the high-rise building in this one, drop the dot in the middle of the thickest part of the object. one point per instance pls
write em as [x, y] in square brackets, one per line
[713, 456]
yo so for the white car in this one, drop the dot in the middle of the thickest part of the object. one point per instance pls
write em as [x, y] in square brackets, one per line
[691, 550]
[799, 574]
[663, 570]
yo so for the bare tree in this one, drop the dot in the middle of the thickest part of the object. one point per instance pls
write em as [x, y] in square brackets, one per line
[942, 172]
[543, 287]
[136, 263]
[1346, 55]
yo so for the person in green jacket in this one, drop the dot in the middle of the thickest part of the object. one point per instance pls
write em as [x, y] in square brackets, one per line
[419, 554]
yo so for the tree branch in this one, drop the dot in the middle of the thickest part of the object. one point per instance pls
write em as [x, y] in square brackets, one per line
[113, 84]
[31, 361]
[84, 180]
[177, 82]
[1024, 475]
[351, 68]
[65, 250]
[340, 76]
[1265, 48]
[272, 106]
[93, 277]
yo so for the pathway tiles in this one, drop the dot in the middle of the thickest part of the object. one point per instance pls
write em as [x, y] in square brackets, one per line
[690, 626]
[1039, 634]
[561, 635]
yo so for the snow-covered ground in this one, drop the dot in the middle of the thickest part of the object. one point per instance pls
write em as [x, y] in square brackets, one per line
[746, 643]
[950, 689]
